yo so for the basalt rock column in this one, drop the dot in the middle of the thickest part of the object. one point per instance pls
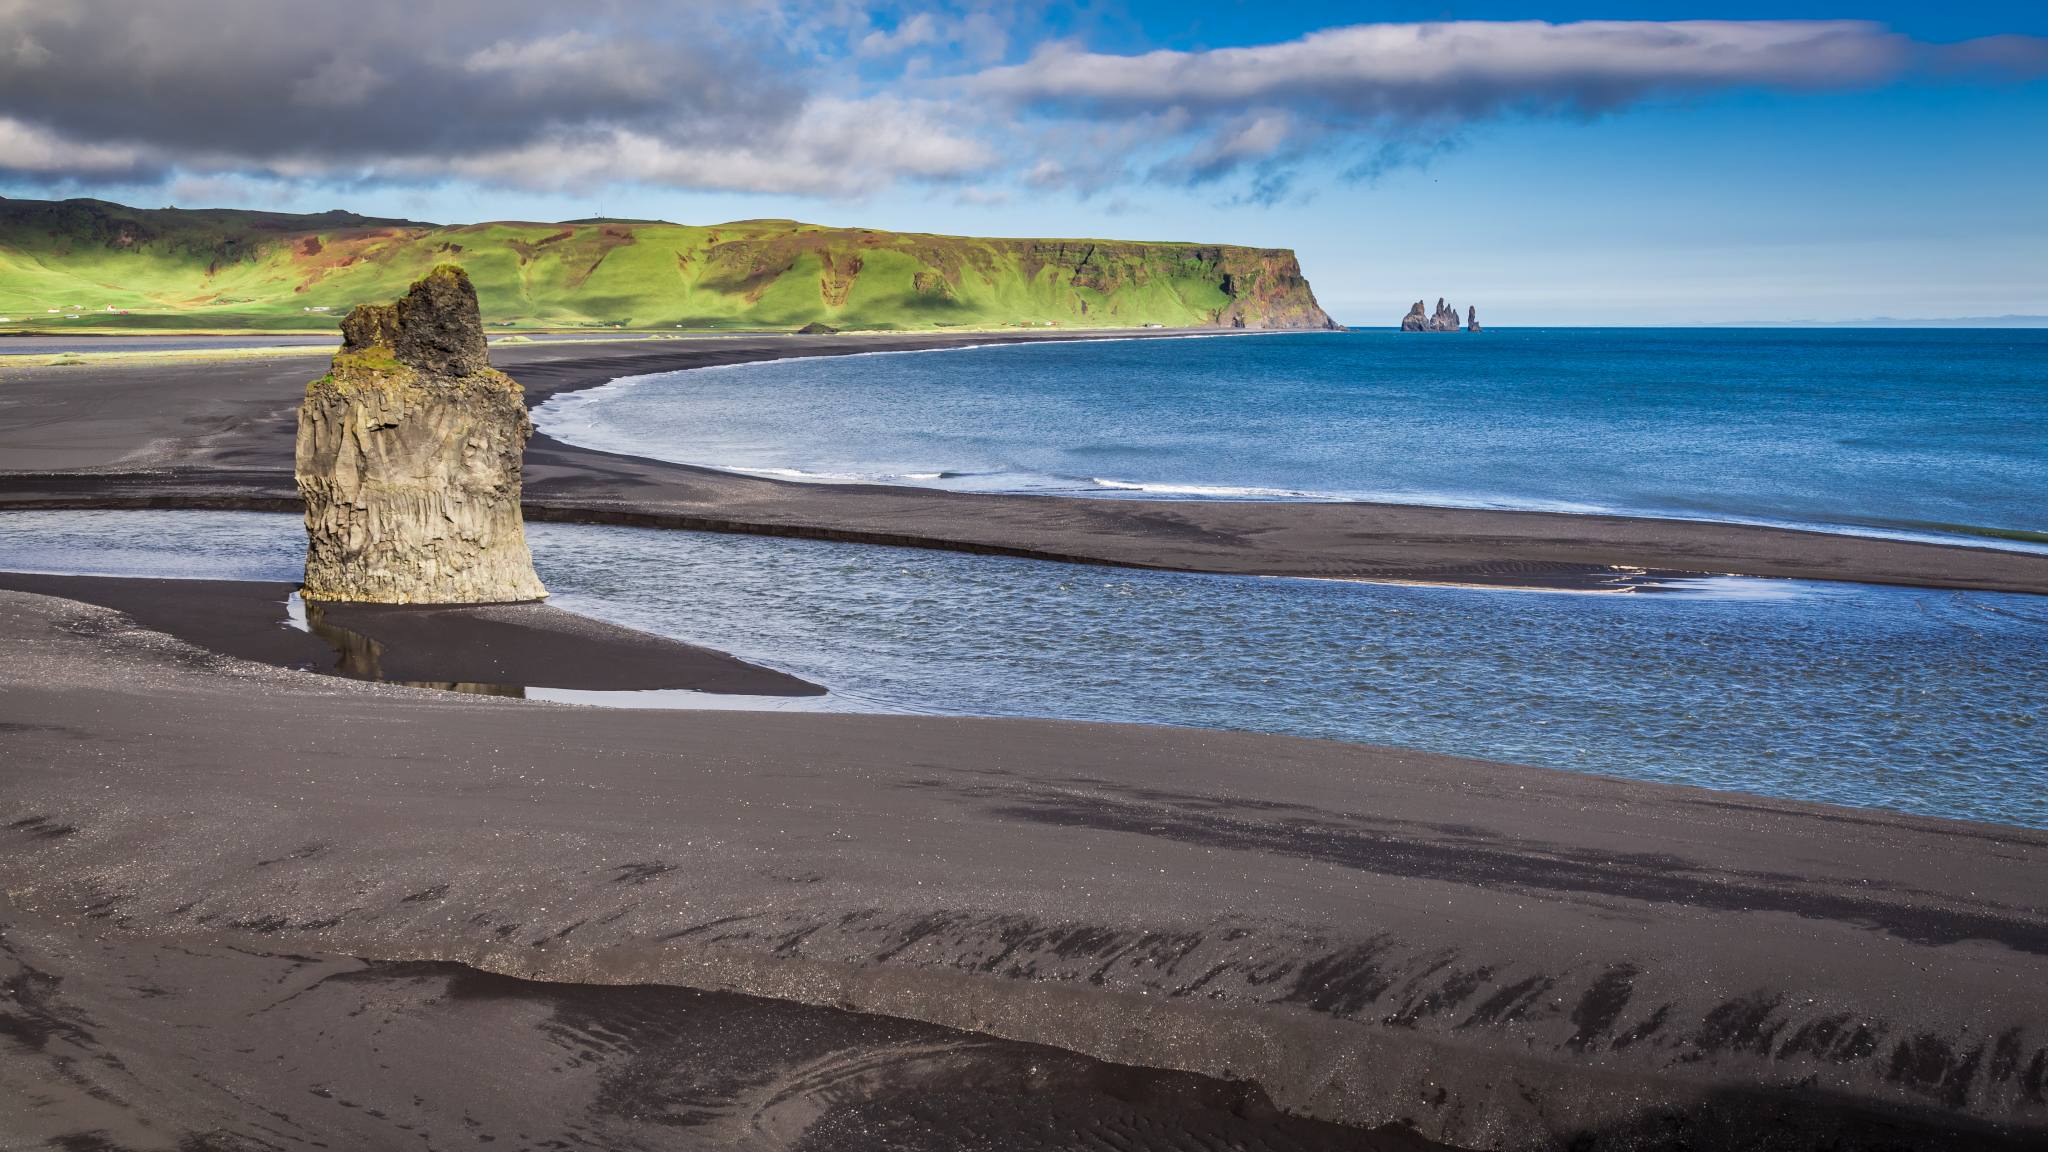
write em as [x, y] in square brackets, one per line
[409, 455]
[1445, 319]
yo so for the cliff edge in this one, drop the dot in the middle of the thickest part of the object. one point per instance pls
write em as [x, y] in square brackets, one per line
[170, 269]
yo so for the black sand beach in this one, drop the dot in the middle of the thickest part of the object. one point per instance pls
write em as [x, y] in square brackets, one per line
[219, 435]
[246, 906]
[566, 1065]
[1488, 956]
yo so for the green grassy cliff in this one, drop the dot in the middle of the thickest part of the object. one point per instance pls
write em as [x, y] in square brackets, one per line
[117, 267]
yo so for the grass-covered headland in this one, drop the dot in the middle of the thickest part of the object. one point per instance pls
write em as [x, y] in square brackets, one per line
[77, 264]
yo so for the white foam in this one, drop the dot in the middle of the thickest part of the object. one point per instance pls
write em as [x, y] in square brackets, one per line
[810, 477]
[785, 473]
[1213, 491]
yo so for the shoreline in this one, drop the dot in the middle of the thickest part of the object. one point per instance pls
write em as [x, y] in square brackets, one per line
[1491, 955]
[1947, 535]
[219, 436]
[483, 649]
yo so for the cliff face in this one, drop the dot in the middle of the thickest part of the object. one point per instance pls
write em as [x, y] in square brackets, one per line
[175, 268]
[1258, 287]
[1267, 290]
[409, 459]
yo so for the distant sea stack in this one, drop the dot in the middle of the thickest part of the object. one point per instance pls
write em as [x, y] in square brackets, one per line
[1472, 319]
[409, 458]
[1445, 319]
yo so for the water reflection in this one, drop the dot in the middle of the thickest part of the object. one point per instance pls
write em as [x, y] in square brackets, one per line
[361, 657]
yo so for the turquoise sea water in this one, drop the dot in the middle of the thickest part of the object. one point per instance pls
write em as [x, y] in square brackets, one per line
[1897, 432]
[1922, 701]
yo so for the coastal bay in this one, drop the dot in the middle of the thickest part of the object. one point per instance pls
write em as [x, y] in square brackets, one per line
[894, 577]
[219, 435]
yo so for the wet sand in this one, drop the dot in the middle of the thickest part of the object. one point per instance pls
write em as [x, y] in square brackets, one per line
[219, 435]
[137, 1044]
[495, 649]
[1491, 956]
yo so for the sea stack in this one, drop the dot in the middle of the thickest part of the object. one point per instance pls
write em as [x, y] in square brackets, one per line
[409, 458]
[1472, 319]
[1445, 319]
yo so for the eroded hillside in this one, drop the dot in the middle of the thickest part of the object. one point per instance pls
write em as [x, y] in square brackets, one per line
[111, 266]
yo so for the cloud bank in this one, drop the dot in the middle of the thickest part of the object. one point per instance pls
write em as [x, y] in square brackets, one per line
[1377, 96]
[821, 99]
[1468, 68]
[514, 93]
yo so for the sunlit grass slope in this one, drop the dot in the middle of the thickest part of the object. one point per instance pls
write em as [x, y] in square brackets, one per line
[117, 267]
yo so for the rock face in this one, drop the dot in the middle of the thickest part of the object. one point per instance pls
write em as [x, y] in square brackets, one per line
[409, 458]
[1472, 320]
[1266, 289]
[1445, 319]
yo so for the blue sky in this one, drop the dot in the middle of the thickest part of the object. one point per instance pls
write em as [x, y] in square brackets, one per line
[1639, 173]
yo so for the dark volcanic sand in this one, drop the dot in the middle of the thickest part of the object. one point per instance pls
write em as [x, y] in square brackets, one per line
[219, 435]
[502, 647]
[1496, 956]
[133, 1044]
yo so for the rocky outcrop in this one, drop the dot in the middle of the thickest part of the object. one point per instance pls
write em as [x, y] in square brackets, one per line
[1444, 319]
[409, 459]
[1472, 320]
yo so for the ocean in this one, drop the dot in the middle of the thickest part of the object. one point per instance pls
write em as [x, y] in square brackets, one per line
[1909, 699]
[1918, 434]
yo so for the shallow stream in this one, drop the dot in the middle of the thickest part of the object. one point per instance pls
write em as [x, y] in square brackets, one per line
[1917, 700]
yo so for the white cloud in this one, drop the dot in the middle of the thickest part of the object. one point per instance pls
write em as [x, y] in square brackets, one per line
[979, 34]
[28, 149]
[1466, 66]
[573, 62]
[818, 97]
[834, 148]
[1246, 139]
[1369, 95]
[1047, 173]
[919, 30]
